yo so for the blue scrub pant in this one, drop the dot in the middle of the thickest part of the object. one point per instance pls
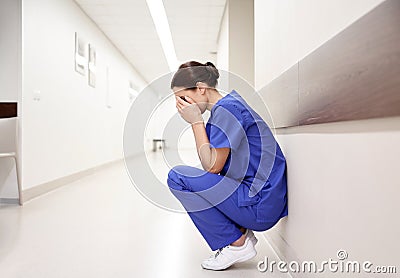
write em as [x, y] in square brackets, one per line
[218, 224]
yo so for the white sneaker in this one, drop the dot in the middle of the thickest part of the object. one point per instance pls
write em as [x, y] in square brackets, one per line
[249, 233]
[228, 255]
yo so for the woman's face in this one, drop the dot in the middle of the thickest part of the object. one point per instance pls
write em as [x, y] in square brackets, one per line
[197, 95]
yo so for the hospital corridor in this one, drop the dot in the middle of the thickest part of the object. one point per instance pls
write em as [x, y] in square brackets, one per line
[199, 138]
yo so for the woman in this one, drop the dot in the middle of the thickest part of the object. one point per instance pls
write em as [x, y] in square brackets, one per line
[243, 184]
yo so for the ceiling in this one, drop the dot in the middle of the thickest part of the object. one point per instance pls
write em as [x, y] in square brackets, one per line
[128, 24]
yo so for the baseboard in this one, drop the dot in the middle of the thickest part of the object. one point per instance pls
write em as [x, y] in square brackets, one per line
[9, 201]
[282, 249]
[44, 188]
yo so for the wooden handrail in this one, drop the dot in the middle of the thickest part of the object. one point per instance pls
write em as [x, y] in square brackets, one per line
[355, 75]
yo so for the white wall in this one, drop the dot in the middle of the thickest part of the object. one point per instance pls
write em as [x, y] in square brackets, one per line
[235, 57]
[10, 79]
[288, 30]
[223, 42]
[241, 39]
[343, 183]
[71, 128]
[342, 177]
[223, 49]
[10, 49]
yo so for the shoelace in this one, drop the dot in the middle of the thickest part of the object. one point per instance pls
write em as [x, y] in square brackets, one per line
[219, 251]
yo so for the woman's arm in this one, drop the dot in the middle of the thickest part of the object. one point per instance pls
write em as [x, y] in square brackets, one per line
[212, 159]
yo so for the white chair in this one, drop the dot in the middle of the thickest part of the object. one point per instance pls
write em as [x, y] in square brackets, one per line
[8, 145]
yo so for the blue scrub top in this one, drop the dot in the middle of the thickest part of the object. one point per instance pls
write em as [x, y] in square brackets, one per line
[255, 161]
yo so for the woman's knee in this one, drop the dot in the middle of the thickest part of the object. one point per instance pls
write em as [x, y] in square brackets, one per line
[175, 175]
[184, 171]
[175, 172]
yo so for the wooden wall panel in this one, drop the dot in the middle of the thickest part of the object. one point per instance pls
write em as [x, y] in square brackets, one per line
[8, 109]
[356, 74]
[281, 98]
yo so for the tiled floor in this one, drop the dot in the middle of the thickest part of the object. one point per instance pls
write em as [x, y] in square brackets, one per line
[100, 226]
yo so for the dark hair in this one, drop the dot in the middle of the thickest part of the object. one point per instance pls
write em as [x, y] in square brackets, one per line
[192, 72]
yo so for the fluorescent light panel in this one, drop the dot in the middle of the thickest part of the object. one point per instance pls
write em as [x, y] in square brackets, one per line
[160, 20]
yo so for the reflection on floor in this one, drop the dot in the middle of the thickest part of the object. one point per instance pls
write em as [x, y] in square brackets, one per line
[100, 226]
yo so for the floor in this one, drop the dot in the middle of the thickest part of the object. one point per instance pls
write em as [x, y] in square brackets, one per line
[100, 226]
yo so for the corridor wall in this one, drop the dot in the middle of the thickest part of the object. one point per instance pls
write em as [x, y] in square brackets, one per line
[68, 126]
[342, 176]
[10, 80]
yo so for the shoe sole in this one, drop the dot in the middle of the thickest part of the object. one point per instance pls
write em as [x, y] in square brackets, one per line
[243, 259]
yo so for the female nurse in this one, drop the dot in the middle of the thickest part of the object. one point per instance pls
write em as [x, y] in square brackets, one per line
[242, 186]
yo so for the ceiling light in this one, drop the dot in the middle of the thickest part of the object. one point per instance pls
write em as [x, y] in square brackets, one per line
[160, 20]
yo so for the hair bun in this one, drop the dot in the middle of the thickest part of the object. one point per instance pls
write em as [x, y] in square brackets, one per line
[212, 70]
[210, 64]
